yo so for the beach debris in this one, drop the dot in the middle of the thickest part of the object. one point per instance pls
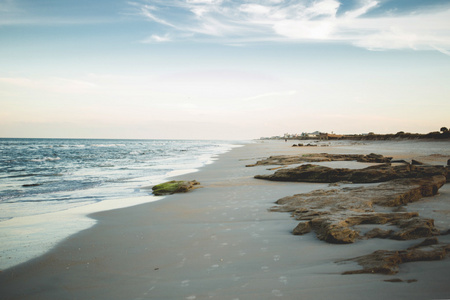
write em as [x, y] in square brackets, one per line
[388, 261]
[395, 280]
[174, 186]
[320, 157]
[400, 280]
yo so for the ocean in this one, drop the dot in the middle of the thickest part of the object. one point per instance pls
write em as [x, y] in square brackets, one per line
[48, 186]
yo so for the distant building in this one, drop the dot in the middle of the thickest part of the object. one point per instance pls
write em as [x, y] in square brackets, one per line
[323, 136]
[306, 136]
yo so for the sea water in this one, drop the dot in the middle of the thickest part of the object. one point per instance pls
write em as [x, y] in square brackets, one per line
[47, 186]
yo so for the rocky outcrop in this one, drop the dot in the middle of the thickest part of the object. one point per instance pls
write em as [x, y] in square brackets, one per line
[414, 228]
[334, 214]
[319, 157]
[387, 262]
[346, 215]
[378, 173]
[172, 187]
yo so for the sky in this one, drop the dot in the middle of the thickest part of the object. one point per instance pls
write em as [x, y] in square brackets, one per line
[222, 69]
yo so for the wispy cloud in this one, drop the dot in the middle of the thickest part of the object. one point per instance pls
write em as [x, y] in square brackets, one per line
[147, 11]
[50, 84]
[154, 38]
[366, 24]
[446, 52]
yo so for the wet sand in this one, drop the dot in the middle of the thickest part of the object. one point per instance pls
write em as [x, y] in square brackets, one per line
[221, 242]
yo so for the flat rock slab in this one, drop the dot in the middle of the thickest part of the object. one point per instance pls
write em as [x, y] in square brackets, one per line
[372, 174]
[388, 262]
[319, 157]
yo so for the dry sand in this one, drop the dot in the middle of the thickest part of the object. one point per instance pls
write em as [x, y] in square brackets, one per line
[221, 242]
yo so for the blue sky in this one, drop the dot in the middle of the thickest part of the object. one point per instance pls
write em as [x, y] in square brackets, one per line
[221, 68]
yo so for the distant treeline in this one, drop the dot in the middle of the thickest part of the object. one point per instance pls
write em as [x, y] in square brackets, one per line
[443, 134]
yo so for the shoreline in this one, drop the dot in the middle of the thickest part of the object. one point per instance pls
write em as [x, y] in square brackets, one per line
[219, 242]
[43, 231]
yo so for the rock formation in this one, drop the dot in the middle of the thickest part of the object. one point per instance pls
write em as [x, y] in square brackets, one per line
[333, 214]
[172, 187]
[387, 262]
[318, 157]
[336, 215]
[377, 173]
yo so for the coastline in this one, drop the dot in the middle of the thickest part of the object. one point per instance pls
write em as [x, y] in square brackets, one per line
[220, 242]
[28, 233]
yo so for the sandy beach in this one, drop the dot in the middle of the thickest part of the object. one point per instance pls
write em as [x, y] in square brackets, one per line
[221, 242]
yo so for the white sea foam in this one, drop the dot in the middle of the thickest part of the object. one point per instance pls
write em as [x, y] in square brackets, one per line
[45, 159]
[108, 145]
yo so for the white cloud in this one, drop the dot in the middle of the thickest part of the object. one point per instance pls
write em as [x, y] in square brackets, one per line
[323, 8]
[146, 11]
[204, 1]
[302, 30]
[366, 5]
[275, 20]
[255, 9]
[393, 38]
[154, 38]
[424, 31]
